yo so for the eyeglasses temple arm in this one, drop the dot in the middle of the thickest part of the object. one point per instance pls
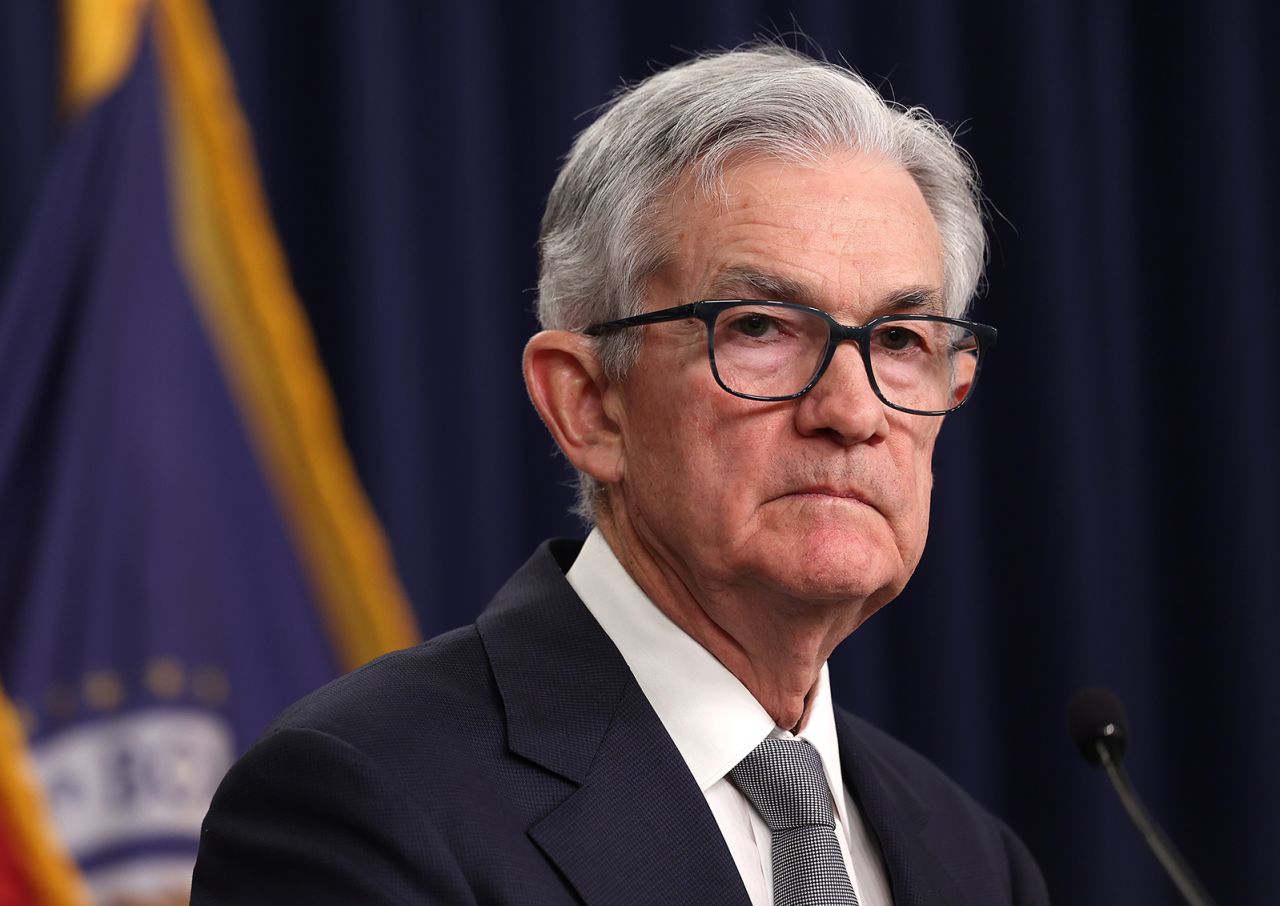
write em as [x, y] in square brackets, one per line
[652, 317]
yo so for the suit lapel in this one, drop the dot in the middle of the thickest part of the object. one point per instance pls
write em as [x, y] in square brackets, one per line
[637, 829]
[898, 818]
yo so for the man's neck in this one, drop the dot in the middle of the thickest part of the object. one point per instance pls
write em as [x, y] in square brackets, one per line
[775, 646]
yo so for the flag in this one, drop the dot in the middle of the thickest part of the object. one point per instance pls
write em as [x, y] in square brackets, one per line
[185, 547]
[34, 867]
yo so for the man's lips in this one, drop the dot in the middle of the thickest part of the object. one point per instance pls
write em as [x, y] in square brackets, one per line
[851, 494]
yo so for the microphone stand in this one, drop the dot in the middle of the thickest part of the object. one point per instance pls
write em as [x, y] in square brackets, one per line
[1174, 865]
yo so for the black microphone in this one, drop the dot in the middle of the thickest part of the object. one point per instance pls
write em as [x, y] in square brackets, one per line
[1096, 720]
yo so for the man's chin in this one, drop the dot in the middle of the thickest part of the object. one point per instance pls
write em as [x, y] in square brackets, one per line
[837, 582]
[837, 566]
[837, 530]
[825, 549]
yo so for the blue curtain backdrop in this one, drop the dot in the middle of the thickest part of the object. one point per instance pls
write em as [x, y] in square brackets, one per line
[1106, 511]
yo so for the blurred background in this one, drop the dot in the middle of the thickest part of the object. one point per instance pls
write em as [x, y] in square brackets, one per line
[1107, 508]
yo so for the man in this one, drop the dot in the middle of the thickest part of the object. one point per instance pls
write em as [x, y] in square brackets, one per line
[647, 719]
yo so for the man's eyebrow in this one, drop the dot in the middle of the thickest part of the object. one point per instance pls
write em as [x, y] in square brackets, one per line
[741, 280]
[917, 299]
[738, 280]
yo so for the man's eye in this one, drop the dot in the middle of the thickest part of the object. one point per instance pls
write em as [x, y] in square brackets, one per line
[897, 339]
[756, 326]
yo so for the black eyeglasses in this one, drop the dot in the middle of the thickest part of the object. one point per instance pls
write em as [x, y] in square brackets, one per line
[770, 351]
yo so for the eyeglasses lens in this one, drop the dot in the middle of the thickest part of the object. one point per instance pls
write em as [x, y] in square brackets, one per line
[770, 351]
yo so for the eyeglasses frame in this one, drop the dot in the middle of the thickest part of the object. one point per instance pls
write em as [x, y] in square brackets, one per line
[708, 310]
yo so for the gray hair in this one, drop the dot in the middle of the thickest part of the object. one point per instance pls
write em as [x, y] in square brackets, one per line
[601, 237]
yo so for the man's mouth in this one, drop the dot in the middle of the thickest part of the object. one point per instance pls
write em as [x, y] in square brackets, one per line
[852, 495]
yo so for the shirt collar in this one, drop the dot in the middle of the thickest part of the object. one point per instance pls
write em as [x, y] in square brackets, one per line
[712, 718]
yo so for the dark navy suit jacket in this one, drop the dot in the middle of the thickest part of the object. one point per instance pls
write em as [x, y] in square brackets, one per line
[517, 761]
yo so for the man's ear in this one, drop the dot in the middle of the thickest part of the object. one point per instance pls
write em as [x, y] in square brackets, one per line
[568, 387]
[965, 370]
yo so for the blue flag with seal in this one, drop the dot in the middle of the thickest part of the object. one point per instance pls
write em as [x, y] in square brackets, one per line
[185, 548]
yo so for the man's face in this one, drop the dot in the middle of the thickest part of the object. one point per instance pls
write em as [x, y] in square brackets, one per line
[821, 498]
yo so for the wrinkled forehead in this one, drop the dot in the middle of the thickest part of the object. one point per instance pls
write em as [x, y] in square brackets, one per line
[703, 183]
[794, 230]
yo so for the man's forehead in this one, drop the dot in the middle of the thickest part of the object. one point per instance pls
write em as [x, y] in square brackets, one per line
[787, 230]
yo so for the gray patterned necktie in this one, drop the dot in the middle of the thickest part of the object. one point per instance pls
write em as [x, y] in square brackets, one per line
[783, 779]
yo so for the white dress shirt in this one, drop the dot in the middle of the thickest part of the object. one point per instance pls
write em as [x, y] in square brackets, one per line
[714, 722]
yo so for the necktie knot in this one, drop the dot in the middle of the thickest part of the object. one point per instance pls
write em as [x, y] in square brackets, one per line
[783, 779]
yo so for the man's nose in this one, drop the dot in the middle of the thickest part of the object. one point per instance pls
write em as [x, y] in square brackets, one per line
[843, 404]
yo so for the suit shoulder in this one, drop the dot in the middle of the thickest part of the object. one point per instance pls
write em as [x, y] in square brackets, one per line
[445, 684]
[966, 838]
